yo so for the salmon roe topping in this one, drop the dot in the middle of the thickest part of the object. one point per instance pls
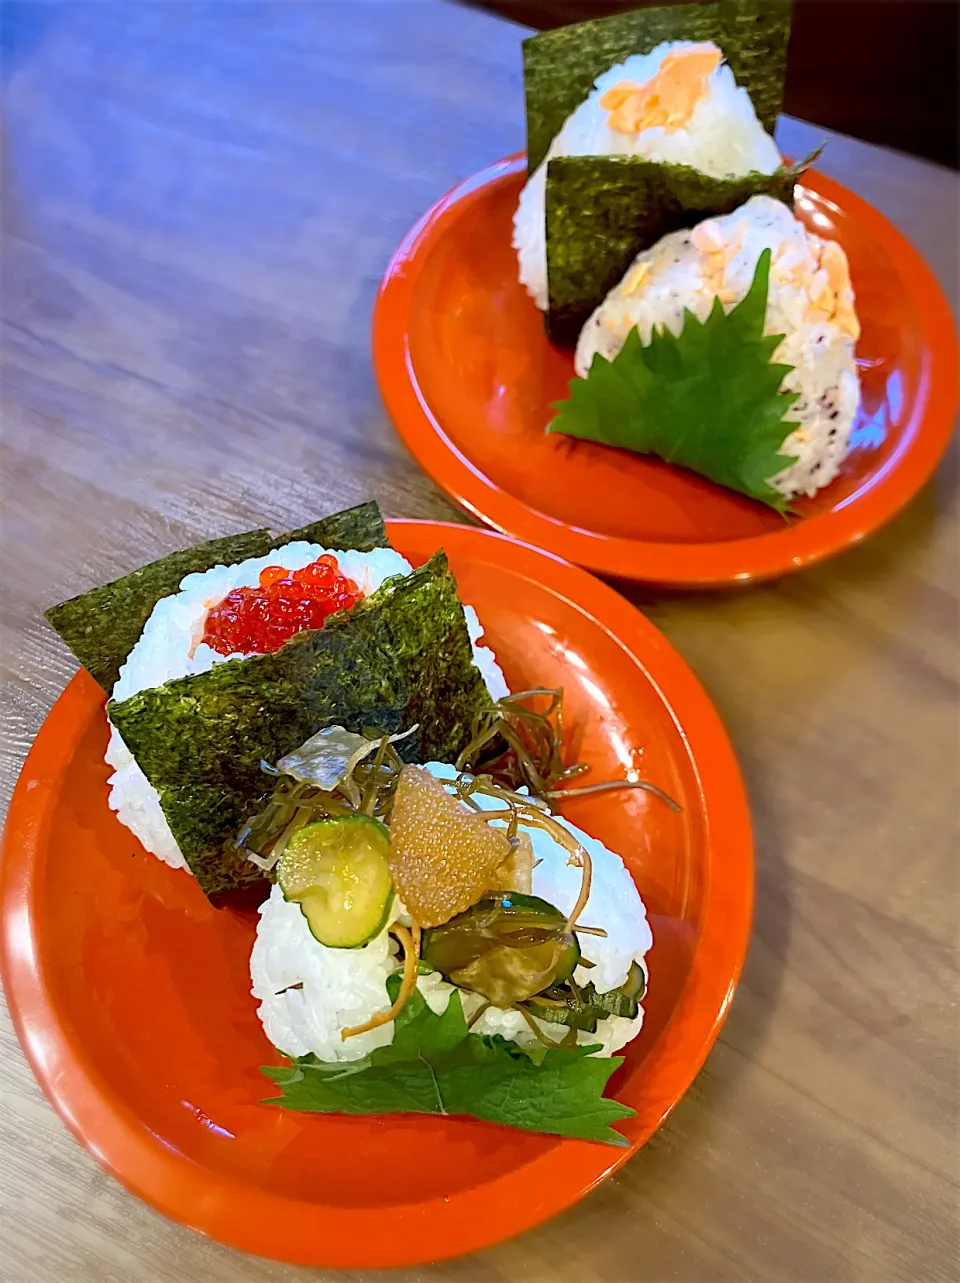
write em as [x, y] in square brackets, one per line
[259, 620]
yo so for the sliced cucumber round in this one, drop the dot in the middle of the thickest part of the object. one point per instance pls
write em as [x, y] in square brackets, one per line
[337, 871]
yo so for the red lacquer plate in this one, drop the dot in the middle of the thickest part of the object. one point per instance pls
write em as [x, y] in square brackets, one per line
[131, 997]
[469, 378]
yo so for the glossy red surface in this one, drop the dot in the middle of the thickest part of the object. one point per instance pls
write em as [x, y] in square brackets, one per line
[130, 992]
[258, 620]
[469, 378]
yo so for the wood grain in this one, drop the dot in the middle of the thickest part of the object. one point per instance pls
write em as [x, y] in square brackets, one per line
[199, 200]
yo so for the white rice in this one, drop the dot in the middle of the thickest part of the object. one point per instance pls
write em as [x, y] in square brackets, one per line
[484, 658]
[170, 646]
[723, 138]
[342, 987]
[821, 350]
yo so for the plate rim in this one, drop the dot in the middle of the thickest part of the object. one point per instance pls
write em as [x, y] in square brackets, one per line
[222, 1207]
[694, 565]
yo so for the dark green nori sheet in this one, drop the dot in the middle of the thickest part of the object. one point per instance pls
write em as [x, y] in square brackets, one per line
[199, 816]
[602, 211]
[401, 656]
[102, 626]
[559, 67]
[360, 528]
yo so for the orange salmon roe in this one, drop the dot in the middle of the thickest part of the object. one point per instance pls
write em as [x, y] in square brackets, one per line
[259, 620]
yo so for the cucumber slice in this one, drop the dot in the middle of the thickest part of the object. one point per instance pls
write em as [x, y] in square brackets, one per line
[569, 960]
[337, 871]
[636, 982]
[569, 1016]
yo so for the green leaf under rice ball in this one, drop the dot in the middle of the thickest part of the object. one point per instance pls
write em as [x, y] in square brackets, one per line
[401, 656]
[602, 211]
[559, 67]
[708, 399]
[102, 626]
[436, 1065]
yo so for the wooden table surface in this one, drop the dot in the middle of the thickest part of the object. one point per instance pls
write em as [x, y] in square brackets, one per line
[199, 200]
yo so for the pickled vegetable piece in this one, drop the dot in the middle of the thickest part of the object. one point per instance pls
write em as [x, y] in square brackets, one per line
[507, 947]
[442, 855]
[336, 870]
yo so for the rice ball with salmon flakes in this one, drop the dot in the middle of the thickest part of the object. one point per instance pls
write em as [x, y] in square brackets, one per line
[678, 104]
[810, 301]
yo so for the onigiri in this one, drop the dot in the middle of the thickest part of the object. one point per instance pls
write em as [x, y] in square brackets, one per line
[810, 301]
[679, 104]
[307, 992]
[171, 646]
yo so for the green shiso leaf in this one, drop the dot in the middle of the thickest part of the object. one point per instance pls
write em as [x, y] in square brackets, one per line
[602, 211]
[435, 1065]
[709, 399]
[102, 626]
[559, 67]
[401, 656]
